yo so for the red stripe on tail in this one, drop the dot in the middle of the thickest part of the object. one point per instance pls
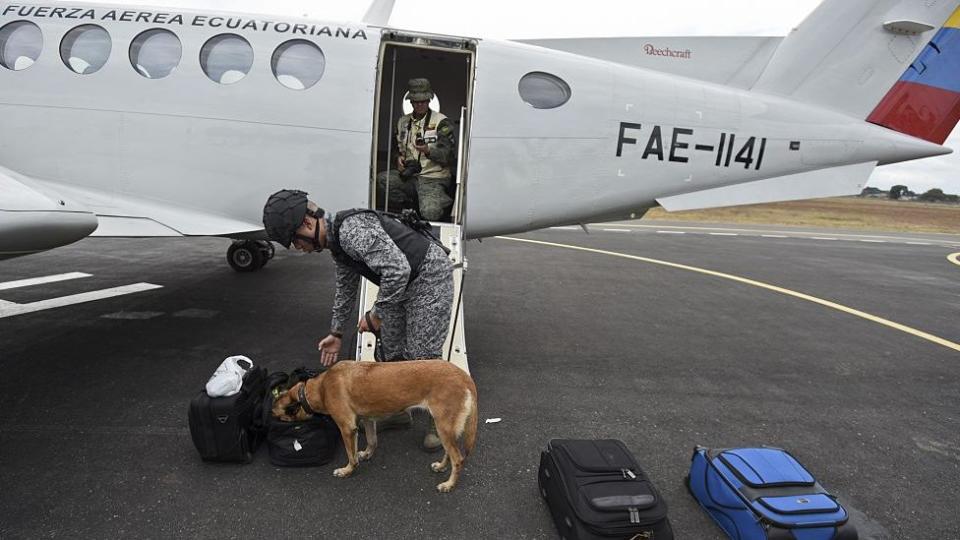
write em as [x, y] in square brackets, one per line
[917, 109]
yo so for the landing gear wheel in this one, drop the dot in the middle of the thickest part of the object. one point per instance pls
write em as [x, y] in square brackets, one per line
[247, 255]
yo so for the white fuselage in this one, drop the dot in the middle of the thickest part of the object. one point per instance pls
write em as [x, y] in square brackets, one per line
[625, 138]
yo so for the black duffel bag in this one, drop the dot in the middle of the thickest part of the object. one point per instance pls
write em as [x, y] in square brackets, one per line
[222, 428]
[309, 443]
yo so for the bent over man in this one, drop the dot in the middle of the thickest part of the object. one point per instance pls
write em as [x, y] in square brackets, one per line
[425, 150]
[412, 310]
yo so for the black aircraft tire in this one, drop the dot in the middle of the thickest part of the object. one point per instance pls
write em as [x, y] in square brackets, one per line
[245, 257]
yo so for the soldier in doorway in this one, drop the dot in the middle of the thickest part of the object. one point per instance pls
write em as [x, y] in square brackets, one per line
[425, 152]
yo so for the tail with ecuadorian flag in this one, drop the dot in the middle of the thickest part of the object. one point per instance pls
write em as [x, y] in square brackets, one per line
[847, 55]
[925, 102]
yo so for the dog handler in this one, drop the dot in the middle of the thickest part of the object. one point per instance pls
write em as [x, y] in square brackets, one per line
[412, 310]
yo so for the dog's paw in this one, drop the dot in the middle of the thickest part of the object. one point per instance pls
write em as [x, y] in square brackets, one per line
[438, 466]
[445, 487]
[343, 472]
[364, 455]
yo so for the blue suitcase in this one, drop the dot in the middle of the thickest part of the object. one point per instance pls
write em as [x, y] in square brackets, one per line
[765, 494]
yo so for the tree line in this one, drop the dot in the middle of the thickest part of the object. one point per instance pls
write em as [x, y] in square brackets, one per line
[902, 192]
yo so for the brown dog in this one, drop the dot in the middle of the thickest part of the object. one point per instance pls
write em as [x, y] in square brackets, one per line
[371, 390]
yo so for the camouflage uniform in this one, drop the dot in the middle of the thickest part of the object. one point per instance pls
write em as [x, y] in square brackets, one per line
[415, 316]
[430, 187]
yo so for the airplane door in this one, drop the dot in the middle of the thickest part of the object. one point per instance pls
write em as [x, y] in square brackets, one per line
[449, 65]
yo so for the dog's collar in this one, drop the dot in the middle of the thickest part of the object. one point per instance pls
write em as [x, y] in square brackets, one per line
[302, 396]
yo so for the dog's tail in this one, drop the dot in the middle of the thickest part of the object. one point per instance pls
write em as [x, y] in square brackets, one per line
[470, 427]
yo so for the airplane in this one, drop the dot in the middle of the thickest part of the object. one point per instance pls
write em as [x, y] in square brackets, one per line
[148, 122]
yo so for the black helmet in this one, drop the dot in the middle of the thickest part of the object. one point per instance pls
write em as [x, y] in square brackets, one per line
[283, 215]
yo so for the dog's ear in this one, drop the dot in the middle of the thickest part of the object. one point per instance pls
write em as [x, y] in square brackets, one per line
[286, 402]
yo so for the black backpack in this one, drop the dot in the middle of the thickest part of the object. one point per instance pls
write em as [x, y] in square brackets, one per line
[223, 428]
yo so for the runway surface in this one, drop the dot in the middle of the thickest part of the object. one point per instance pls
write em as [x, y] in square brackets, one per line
[839, 346]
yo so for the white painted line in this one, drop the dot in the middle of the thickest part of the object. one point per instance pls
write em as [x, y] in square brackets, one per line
[133, 315]
[773, 236]
[671, 232]
[8, 310]
[723, 234]
[618, 230]
[874, 241]
[797, 233]
[824, 238]
[565, 228]
[41, 280]
[919, 244]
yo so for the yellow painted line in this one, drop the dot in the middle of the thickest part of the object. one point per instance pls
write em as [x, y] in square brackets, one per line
[826, 303]
[955, 258]
[954, 20]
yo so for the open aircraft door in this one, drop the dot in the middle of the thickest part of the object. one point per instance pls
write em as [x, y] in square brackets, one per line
[449, 65]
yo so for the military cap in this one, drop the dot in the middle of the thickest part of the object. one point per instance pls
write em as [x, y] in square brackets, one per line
[420, 90]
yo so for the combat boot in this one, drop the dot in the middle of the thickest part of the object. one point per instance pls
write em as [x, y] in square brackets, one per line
[401, 420]
[431, 441]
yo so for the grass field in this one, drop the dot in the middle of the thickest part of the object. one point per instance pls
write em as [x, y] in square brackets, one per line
[838, 213]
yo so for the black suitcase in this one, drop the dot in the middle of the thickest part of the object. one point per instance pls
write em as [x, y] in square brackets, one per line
[309, 443]
[222, 428]
[596, 490]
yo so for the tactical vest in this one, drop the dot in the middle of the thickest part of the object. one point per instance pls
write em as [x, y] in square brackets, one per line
[413, 244]
[407, 131]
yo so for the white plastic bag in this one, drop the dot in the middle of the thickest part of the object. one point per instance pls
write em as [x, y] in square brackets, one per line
[228, 378]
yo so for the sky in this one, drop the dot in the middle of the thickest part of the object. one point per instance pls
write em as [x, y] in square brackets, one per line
[519, 19]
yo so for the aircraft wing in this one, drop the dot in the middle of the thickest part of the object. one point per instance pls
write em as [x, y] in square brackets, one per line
[125, 216]
[37, 215]
[832, 182]
[731, 61]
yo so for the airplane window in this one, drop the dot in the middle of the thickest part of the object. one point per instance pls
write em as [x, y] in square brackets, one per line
[85, 49]
[226, 58]
[543, 91]
[408, 108]
[155, 53]
[20, 45]
[298, 64]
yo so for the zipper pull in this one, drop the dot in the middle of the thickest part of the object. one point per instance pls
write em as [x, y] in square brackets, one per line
[634, 516]
[627, 473]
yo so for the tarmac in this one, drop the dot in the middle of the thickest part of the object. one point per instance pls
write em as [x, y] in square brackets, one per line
[839, 346]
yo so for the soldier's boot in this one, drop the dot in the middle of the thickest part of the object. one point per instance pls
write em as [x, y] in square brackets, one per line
[401, 420]
[431, 441]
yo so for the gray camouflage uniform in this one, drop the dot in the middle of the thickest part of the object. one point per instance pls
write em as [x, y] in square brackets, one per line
[430, 191]
[415, 317]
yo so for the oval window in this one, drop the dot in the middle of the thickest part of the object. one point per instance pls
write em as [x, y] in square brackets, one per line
[85, 49]
[226, 58]
[543, 91]
[298, 64]
[20, 45]
[155, 53]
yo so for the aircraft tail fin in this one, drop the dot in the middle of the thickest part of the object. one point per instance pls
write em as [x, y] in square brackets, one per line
[925, 102]
[848, 54]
